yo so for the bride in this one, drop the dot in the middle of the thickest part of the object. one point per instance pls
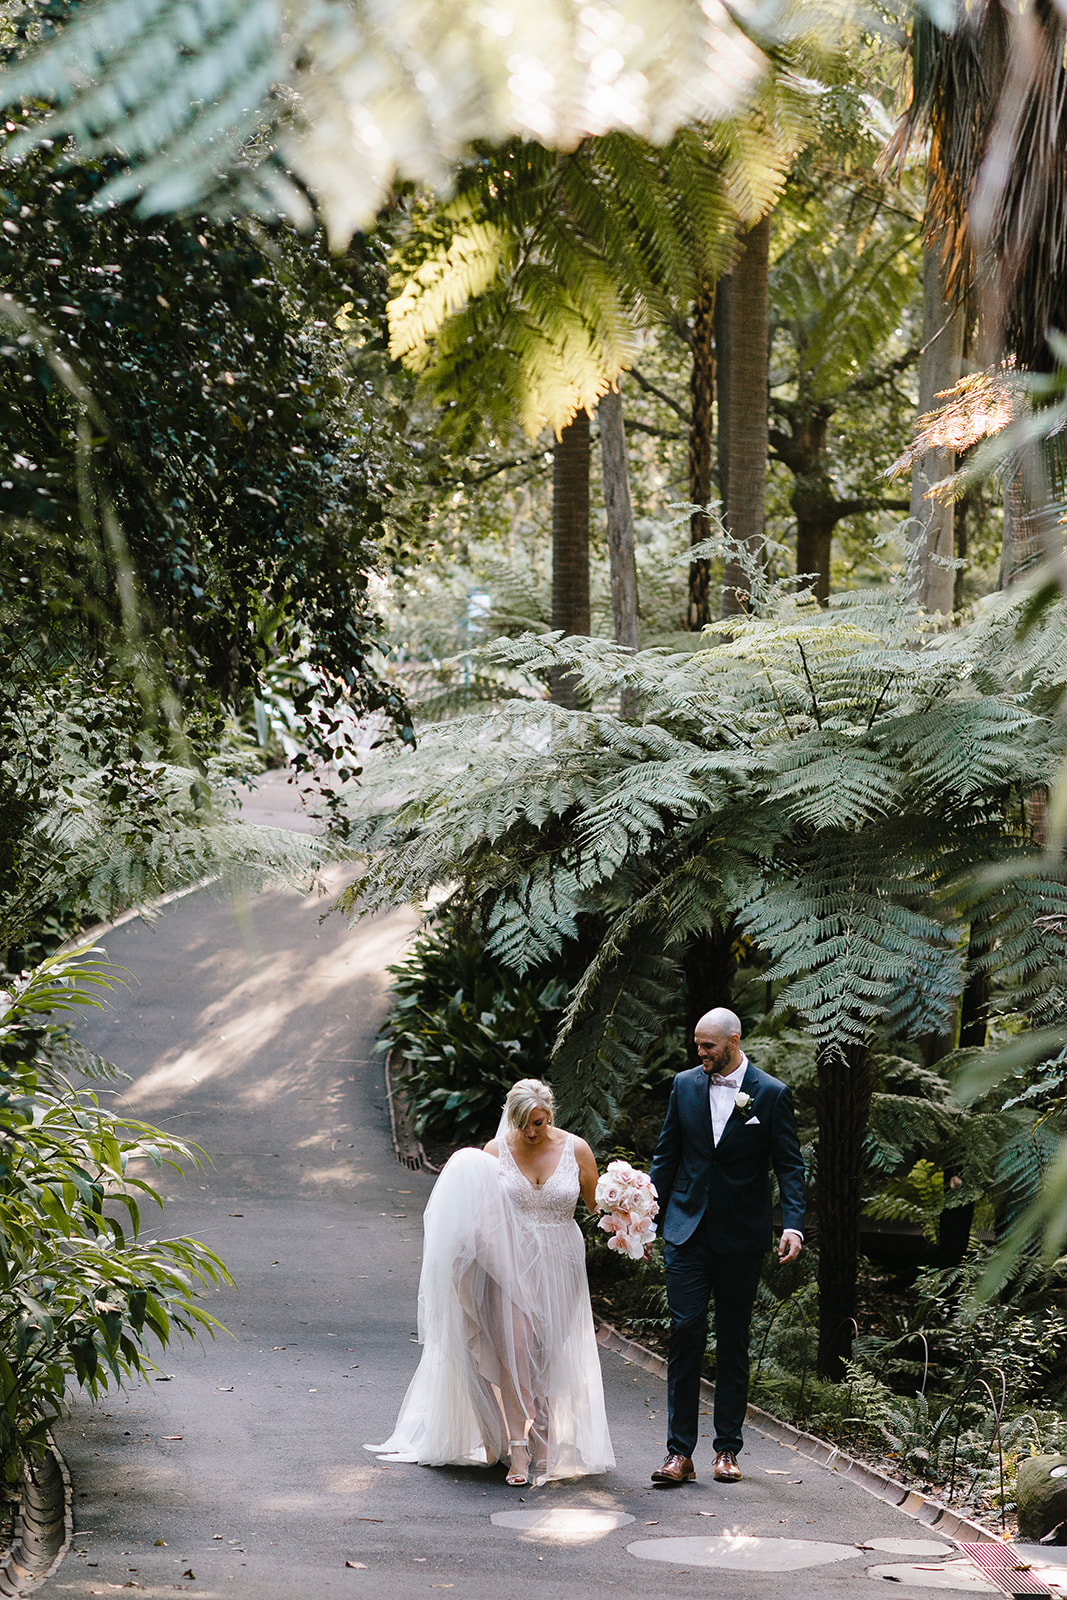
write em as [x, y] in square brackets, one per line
[510, 1369]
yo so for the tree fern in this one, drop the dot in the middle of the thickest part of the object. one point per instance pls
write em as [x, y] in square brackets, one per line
[193, 100]
[847, 849]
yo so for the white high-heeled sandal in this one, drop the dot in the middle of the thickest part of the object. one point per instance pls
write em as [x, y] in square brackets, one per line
[518, 1472]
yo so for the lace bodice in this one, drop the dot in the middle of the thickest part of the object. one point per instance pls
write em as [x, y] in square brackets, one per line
[551, 1202]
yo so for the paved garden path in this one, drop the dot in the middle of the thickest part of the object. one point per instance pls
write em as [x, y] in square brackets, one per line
[240, 1470]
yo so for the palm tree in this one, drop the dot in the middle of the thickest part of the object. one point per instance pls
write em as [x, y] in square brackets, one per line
[991, 95]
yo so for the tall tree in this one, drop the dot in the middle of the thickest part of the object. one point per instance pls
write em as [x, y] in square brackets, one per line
[744, 427]
[931, 541]
[701, 401]
[570, 545]
[615, 475]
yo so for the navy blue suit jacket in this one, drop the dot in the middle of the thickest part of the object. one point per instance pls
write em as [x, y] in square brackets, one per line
[731, 1180]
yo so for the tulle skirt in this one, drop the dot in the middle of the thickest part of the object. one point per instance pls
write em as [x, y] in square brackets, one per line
[507, 1335]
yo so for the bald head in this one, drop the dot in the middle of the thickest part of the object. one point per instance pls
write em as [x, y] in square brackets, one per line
[718, 1040]
[721, 1023]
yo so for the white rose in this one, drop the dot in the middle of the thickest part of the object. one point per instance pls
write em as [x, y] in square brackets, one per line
[742, 1100]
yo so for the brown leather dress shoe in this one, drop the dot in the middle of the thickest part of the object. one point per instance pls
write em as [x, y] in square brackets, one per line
[726, 1468]
[676, 1469]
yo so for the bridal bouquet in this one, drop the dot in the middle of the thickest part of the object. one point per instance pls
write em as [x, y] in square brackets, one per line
[629, 1201]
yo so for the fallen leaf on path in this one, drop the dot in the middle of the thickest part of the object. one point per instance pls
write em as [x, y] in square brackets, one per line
[652, 1524]
[162, 1542]
[778, 1472]
[164, 1377]
[705, 1513]
[224, 1388]
[173, 1436]
[189, 1573]
[360, 1565]
[442, 1586]
[236, 1213]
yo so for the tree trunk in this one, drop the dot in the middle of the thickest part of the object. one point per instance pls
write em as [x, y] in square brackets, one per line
[723, 298]
[570, 545]
[701, 395]
[620, 516]
[709, 966]
[815, 538]
[955, 1222]
[931, 577]
[615, 473]
[747, 361]
[843, 1101]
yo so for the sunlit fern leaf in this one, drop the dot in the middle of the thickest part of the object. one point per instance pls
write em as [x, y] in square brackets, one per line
[368, 91]
[102, 857]
[176, 90]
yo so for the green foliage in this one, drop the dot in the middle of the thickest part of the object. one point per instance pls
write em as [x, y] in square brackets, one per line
[184, 464]
[819, 776]
[99, 821]
[194, 103]
[528, 288]
[83, 1293]
[467, 1029]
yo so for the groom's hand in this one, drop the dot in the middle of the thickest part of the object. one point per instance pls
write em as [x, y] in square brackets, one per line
[789, 1245]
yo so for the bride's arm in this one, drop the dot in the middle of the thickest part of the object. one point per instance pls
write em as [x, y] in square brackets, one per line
[587, 1172]
[492, 1148]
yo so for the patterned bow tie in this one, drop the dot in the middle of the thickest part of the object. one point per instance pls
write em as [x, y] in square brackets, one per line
[718, 1081]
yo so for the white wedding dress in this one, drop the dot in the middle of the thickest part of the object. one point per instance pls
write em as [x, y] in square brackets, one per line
[505, 1324]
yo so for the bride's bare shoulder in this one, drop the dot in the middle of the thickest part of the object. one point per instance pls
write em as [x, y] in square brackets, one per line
[492, 1148]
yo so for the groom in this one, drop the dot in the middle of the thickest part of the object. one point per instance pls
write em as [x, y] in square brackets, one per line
[727, 1125]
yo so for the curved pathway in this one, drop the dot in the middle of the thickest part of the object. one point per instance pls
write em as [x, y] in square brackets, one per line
[240, 1470]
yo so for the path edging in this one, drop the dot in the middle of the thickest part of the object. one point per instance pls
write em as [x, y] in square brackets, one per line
[44, 1527]
[933, 1514]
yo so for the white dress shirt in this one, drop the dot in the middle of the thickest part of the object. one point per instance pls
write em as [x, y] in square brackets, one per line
[722, 1098]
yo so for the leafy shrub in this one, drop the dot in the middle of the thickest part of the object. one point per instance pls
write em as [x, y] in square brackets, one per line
[81, 1293]
[468, 1028]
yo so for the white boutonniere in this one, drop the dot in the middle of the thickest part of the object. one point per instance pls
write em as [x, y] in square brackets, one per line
[742, 1101]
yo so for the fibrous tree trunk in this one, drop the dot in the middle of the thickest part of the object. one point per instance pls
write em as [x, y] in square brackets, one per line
[955, 1222]
[843, 1103]
[931, 552]
[701, 398]
[746, 338]
[615, 473]
[570, 545]
[620, 520]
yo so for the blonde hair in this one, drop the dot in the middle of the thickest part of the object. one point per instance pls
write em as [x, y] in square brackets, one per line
[526, 1097]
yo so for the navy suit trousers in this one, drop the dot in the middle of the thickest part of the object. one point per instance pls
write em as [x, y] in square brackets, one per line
[696, 1276]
